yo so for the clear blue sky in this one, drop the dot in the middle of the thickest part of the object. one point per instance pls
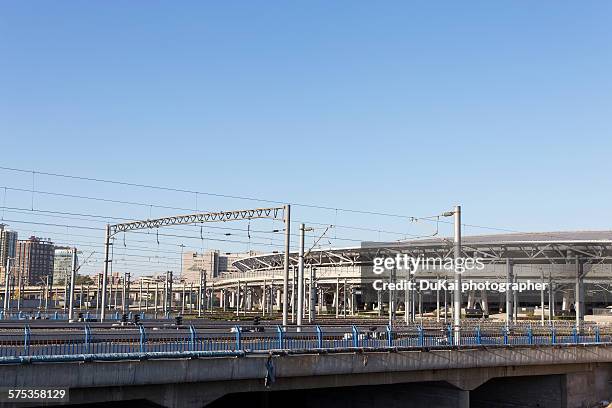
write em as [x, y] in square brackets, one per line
[404, 107]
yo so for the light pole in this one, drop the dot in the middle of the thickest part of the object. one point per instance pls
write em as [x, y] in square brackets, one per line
[300, 294]
[287, 220]
[72, 283]
[457, 289]
[7, 290]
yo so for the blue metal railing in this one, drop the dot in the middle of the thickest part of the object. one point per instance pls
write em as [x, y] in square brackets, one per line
[87, 341]
[88, 316]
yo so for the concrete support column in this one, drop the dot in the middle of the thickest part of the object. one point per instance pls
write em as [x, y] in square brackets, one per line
[247, 298]
[484, 302]
[471, 300]
[344, 299]
[566, 302]
[237, 300]
[262, 299]
[551, 299]
[463, 399]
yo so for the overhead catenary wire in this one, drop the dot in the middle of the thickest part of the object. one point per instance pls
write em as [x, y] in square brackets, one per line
[246, 198]
[211, 194]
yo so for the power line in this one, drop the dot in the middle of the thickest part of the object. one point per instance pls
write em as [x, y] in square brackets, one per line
[75, 216]
[205, 193]
[432, 218]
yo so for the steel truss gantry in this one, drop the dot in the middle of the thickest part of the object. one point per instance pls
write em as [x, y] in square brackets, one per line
[199, 218]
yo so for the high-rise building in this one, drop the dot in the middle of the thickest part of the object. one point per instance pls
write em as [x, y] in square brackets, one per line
[34, 260]
[8, 243]
[212, 262]
[62, 265]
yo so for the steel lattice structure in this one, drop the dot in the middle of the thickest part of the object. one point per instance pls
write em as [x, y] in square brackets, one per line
[220, 216]
[197, 218]
[553, 248]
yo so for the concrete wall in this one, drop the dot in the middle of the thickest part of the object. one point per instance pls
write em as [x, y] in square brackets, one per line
[197, 382]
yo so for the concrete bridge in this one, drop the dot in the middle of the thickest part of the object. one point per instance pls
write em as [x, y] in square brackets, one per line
[484, 376]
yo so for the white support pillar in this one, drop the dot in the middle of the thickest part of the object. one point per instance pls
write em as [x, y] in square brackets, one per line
[300, 293]
[457, 298]
[579, 294]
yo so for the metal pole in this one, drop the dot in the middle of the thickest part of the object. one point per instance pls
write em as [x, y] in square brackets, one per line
[413, 301]
[105, 276]
[200, 295]
[391, 295]
[438, 299]
[344, 300]
[542, 296]
[170, 291]
[81, 296]
[47, 294]
[300, 294]
[211, 298]
[457, 299]
[7, 290]
[156, 297]
[551, 301]
[183, 299]
[72, 282]
[262, 301]
[146, 301]
[246, 298]
[204, 294]
[126, 284]
[407, 301]
[20, 288]
[140, 295]
[165, 297]
[579, 295]
[124, 294]
[337, 297]
[293, 300]
[508, 292]
[379, 301]
[191, 297]
[445, 302]
[98, 294]
[287, 219]
[420, 307]
[313, 295]
[66, 290]
[237, 298]
[515, 299]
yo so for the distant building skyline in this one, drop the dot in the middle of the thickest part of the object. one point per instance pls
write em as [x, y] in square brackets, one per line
[62, 264]
[8, 244]
[212, 261]
[34, 260]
